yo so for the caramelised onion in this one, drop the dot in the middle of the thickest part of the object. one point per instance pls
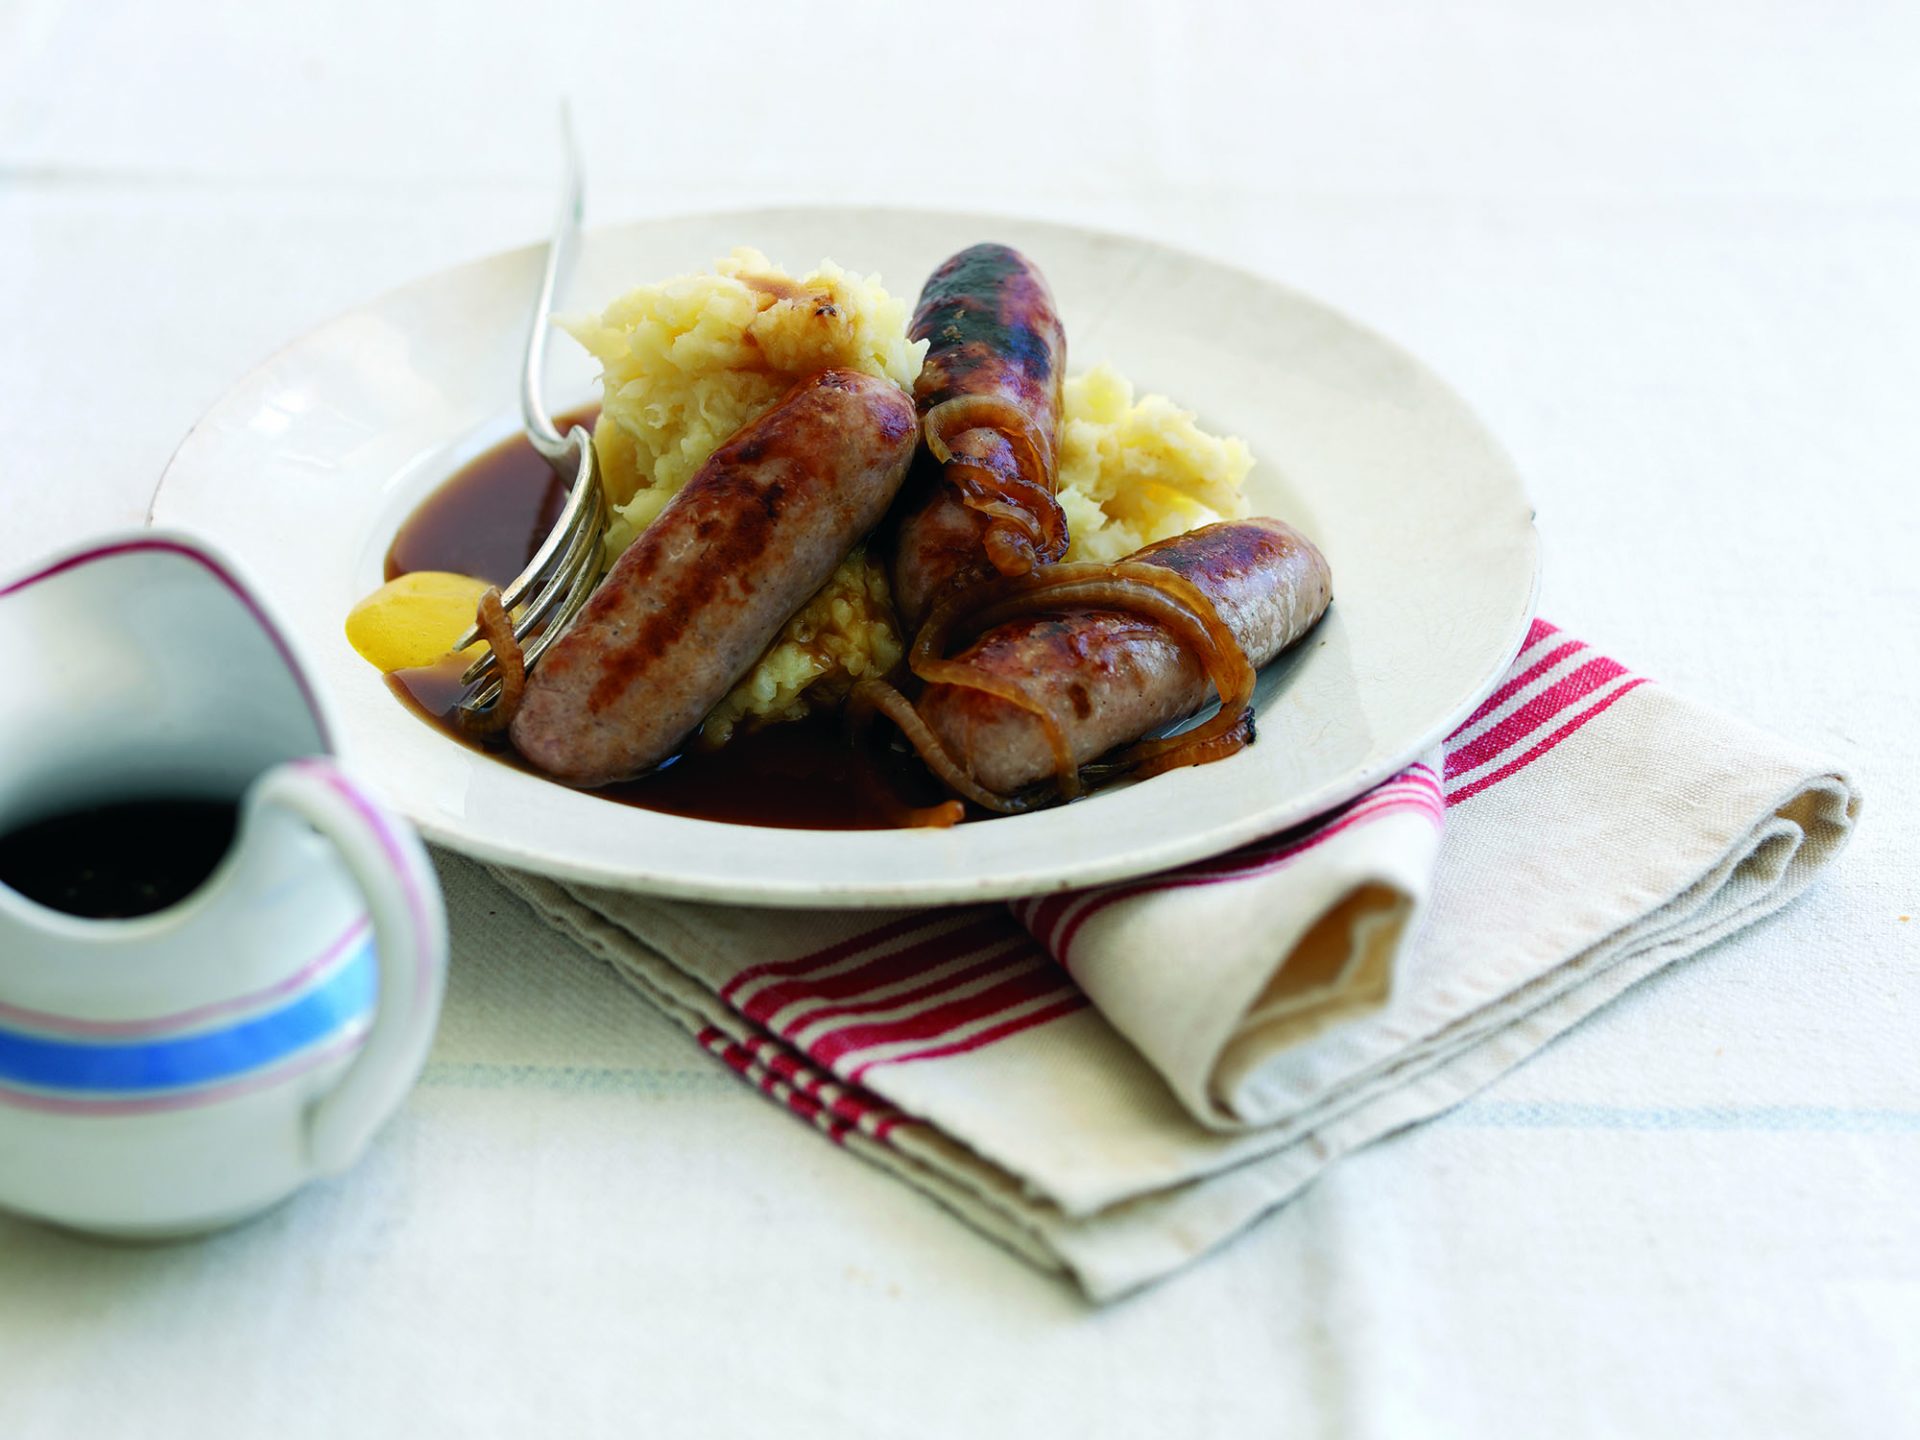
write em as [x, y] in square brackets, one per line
[1133, 587]
[496, 628]
[928, 660]
[1026, 526]
[961, 413]
[876, 696]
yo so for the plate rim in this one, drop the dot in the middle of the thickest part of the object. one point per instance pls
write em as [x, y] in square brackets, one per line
[764, 892]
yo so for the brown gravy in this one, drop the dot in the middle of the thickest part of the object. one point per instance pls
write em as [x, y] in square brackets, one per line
[486, 521]
[490, 517]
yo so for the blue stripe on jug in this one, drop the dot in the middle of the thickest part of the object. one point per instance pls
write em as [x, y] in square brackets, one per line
[136, 1067]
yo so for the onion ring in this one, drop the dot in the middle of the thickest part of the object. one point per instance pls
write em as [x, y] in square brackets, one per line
[1026, 526]
[961, 413]
[496, 628]
[876, 696]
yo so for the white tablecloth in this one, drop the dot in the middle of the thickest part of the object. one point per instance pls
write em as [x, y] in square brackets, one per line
[1669, 251]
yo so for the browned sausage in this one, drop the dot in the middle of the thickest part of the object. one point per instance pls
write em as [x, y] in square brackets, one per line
[1112, 678]
[697, 598]
[992, 331]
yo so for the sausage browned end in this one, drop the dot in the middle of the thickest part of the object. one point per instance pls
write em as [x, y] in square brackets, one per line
[1112, 678]
[695, 600]
[992, 330]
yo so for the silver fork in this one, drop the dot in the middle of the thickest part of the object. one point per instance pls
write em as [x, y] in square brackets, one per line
[563, 571]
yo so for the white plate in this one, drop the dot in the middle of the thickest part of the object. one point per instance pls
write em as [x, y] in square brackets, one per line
[303, 472]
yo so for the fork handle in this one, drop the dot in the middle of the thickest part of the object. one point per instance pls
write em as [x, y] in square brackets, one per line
[541, 431]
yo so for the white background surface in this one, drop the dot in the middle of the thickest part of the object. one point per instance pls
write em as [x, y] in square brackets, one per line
[1668, 250]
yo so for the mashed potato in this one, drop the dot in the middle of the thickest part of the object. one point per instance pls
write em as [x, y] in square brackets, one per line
[1136, 471]
[687, 362]
[845, 632]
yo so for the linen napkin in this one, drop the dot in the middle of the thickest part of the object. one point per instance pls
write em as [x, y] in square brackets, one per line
[1113, 1082]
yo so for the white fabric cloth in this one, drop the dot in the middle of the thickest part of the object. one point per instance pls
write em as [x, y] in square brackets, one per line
[1254, 1018]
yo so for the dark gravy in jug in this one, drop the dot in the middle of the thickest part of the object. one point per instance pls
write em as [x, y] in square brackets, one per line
[116, 862]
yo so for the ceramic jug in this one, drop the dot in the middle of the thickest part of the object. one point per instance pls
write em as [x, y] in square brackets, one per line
[184, 1069]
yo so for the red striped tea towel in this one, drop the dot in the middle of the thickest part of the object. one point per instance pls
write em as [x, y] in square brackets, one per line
[1113, 1082]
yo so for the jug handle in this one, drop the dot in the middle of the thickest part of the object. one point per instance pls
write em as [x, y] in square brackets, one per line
[389, 864]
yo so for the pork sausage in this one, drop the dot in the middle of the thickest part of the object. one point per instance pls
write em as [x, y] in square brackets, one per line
[992, 331]
[696, 599]
[1111, 678]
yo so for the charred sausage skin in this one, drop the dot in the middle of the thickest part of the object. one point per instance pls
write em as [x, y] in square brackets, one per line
[992, 330]
[1112, 678]
[696, 599]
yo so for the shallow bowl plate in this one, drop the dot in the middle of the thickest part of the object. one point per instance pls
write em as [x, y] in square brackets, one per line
[305, 469]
